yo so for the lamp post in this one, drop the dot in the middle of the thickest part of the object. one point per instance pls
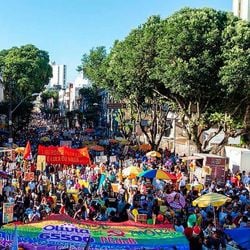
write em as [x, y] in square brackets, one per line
[11, 111]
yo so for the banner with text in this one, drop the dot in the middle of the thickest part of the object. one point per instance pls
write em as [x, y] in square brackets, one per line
[64, 155]
[60, 234]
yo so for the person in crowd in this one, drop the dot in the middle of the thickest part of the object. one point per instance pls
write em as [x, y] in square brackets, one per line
[76, 191]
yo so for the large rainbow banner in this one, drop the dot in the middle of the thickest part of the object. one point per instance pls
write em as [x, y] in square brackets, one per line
[60, 234]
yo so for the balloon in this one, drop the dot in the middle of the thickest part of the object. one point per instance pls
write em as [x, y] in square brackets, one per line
[150, 221]
[160, 217]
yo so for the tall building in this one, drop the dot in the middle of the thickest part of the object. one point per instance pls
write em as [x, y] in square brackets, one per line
[241, 8]
[58, 79]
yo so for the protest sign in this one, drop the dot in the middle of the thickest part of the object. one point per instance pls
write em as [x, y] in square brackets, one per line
[112, 159]
[8, 209]
[115, 187]
[29, 176]
[66, 143]
[101, 158]
[41, 162]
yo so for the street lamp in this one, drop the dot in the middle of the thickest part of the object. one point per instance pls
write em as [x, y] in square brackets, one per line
[10, 140]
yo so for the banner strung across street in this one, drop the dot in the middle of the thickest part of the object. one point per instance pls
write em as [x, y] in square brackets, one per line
[56, 234]
[64, 155]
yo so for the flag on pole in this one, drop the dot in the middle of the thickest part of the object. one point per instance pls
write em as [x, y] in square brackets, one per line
[27, 155]
[15, 240]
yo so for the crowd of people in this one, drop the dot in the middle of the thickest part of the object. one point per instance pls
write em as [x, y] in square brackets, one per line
[102, 192]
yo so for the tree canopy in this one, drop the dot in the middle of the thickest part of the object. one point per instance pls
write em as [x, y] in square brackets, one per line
[197, 53]
[25, 69]
[197, 61]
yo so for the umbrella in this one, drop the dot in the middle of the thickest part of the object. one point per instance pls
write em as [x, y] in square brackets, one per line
[176, 200]
[89, 130]
[20, 150]
[45, 139]
[97, 148]
[122, 140]
[135, 147]
[145, 147]
[131, 172]
[211, 199]
[112, 141]
[14, 146]
[153, 154]
[4, 175]
[158, 174]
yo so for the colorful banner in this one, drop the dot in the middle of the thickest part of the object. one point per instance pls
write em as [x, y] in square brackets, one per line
[8, 212]
[64, 155]
[58, 234]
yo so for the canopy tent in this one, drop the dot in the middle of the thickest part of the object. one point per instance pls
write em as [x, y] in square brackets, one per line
[65, 232]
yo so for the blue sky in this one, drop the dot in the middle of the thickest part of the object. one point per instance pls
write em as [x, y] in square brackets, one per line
[69, 28]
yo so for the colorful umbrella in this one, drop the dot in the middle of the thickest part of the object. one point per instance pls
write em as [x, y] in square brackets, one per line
[153, 154]
[97, 148]
[158, 174]
[176, 200]
[131, 172]
[211, 199]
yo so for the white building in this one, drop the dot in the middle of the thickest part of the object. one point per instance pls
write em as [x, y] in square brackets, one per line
[241, 8]
[69, 97]
[59, 77]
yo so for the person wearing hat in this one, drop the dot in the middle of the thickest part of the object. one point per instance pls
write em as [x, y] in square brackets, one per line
[196, 240]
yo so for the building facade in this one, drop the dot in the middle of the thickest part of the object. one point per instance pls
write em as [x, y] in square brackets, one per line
[241, 9]
[59, 78]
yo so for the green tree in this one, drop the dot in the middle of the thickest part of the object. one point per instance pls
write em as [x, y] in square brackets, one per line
[93, 65]
[48, 94]
[195, 58]
[130, 65]
[25, 70]
[90, 105]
